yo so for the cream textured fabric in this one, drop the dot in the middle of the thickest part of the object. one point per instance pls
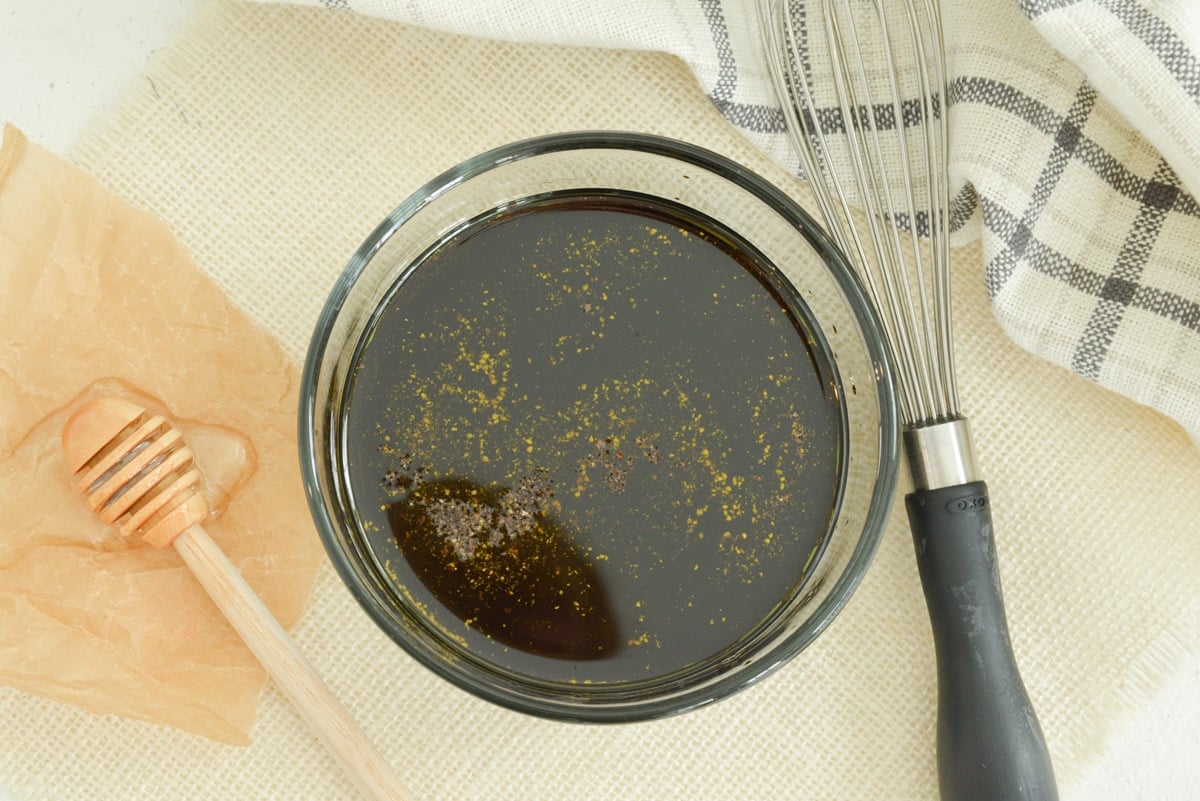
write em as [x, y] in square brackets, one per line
[274, 138]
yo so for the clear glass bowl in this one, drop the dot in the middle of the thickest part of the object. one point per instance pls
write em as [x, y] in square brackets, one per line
[717, 188]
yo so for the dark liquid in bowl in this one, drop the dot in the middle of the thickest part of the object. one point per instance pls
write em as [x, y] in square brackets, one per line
[589, 440]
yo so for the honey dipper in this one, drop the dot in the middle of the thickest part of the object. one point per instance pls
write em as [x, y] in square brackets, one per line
[134, 469]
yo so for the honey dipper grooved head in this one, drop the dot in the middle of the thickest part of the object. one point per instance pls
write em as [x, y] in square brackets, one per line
[133, 469]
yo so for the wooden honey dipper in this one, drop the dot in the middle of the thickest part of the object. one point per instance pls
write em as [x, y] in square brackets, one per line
[134, 469]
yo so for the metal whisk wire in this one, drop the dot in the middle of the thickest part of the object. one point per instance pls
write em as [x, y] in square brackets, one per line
[908, 280]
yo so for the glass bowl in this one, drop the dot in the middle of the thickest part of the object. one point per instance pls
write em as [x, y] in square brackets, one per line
[593, 656]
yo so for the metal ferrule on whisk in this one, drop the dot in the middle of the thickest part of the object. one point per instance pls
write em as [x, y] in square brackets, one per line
[940, 454]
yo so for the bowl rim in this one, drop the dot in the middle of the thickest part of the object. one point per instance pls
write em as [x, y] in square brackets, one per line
[849, 282]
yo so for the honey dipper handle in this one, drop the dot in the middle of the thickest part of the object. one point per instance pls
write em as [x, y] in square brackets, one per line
[289, 669]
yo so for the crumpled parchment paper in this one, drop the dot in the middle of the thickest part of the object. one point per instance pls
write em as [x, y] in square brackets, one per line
[97, 296]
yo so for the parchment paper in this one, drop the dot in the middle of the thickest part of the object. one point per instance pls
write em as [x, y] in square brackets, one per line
[99, 297]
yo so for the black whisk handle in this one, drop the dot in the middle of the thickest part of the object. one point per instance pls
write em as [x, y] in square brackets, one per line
[990, 745]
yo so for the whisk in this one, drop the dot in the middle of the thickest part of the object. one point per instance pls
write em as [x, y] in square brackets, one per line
[863, 84]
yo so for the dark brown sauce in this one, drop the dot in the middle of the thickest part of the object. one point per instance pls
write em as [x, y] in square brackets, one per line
[589, 441]
[523, 583]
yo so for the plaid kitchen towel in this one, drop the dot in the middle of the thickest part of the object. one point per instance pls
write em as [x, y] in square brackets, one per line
[1073, 155]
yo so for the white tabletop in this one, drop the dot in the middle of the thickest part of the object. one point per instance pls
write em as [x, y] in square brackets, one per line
[63, 61]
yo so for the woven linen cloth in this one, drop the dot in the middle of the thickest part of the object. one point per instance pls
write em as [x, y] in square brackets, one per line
[1074, 157]
[274, 138]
